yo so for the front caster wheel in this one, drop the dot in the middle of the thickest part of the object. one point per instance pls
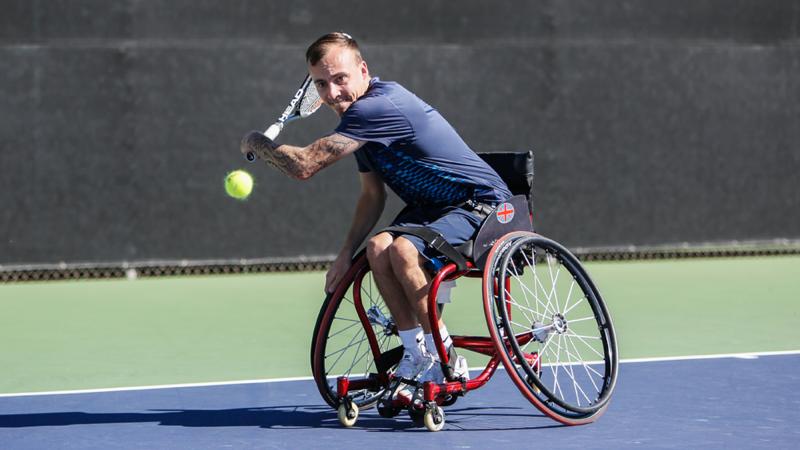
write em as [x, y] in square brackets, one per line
[434, 418]
[348, 413]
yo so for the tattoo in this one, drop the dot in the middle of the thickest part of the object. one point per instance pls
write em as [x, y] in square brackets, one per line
[299, 162]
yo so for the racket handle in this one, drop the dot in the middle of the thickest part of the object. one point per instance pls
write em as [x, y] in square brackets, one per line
[273, 131]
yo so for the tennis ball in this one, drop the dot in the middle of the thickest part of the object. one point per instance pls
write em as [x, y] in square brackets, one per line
[238, 184]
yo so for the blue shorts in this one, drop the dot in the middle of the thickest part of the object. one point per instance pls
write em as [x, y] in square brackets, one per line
[456, 225]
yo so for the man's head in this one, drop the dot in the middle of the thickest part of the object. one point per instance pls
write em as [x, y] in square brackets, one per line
[340, 74]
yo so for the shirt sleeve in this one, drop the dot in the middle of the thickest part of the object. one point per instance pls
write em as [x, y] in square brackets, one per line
[361, 161]
[375, 119]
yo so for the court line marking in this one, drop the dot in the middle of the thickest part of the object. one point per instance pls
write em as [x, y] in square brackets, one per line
[746, 355]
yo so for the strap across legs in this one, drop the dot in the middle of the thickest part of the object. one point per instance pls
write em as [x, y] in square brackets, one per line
[436, 241]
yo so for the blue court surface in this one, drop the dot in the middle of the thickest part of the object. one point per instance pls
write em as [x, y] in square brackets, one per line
[726, 402]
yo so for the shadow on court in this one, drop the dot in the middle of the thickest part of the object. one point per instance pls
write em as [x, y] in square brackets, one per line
[283, 417]
[278, 416]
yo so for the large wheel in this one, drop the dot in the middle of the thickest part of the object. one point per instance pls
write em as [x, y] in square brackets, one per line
[563, 355]
[354, 337]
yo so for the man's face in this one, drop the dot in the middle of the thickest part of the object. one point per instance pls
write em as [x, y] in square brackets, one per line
[340, 78]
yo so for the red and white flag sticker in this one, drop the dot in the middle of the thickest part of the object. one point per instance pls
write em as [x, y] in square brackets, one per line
[505, 213]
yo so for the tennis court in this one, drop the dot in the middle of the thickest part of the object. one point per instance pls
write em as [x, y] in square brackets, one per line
[242, 334]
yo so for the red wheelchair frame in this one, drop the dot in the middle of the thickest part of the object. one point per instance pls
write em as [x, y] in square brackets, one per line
[545, 320]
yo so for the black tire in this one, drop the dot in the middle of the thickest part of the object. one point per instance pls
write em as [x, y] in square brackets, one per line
[555, 312]
[341, 342]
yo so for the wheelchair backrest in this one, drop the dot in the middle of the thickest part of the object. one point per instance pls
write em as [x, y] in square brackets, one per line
[516, 169]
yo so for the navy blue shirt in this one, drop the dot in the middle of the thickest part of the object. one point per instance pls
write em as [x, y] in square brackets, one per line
[415, 151]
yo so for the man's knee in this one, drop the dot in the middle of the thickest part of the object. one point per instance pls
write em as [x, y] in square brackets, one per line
[403, 253]
[378, 252]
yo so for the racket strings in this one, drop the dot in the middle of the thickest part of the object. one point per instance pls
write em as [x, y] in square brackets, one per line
[310, 102]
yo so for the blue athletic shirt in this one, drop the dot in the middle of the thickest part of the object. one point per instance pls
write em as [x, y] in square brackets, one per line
[415, 151]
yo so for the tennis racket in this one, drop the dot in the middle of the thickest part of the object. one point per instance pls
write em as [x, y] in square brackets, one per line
[306, 101]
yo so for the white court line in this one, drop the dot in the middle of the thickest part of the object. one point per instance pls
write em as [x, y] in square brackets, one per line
[749, 355]
[158, 386]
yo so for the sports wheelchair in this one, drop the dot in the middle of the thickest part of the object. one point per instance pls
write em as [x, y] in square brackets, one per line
[547, 324]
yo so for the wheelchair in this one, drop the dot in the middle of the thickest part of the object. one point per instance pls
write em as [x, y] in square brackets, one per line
[547, 324]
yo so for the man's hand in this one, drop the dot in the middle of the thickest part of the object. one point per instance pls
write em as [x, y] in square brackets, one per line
[337, 272]
[256, 143]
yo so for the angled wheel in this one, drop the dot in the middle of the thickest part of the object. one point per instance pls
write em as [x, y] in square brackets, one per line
[347, 413]
[551, 327]
[433, 418]
[354, 337]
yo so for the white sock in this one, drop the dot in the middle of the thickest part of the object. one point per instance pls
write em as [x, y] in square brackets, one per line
[413, 341]
[431, 346]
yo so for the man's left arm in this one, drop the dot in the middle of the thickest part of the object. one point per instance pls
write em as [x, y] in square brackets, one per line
[300, 162]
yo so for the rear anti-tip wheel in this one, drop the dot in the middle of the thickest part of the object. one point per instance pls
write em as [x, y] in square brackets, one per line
[387, 410]
[348, 413]
[417, 416]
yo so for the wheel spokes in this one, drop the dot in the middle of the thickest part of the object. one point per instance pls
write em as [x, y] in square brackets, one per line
[550, 305]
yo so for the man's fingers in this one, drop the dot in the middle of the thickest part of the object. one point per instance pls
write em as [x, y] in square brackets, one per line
[331, 280]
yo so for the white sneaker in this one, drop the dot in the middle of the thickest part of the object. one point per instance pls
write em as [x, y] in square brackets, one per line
[411, 366]
[461, 368]
[433, 374]
[436, 375]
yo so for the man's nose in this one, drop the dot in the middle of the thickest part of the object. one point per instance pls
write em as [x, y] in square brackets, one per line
[333, 93]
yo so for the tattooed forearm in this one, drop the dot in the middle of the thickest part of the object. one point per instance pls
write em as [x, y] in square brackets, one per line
[299, 162]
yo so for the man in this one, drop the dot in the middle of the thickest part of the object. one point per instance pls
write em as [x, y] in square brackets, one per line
[402, 142]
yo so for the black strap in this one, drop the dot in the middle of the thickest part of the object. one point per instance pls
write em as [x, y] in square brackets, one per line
[436, 241]
[482, 210]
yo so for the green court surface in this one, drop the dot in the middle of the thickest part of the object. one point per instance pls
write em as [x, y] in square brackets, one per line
[100, 334]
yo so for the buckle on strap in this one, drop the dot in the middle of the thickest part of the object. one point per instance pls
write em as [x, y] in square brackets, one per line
[438, 243]
[482, 210]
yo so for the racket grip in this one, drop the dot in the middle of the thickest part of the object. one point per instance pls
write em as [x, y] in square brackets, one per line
[273, 131]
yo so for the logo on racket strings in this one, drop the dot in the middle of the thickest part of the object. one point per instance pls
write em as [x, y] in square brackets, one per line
[505, 213]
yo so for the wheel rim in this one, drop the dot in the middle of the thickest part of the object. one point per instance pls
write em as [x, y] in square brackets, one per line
[549, 303]
[342, 343]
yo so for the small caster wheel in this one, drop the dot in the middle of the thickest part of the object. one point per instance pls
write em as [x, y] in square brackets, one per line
[434, 418]
[387, 411]
[348, 413]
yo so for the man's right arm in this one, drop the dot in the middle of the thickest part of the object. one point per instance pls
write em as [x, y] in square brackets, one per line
[368, 210]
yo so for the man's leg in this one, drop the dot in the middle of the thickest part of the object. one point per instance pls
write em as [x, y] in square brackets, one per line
[414, 360]
[407, 264]
[457, 226]
[390, 288]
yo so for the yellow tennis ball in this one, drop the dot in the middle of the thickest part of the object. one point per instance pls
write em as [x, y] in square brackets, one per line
[238, 184]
